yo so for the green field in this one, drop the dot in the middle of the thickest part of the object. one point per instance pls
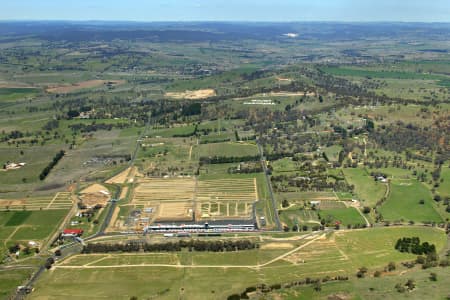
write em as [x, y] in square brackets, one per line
[444, 187]
[18, 218]
[342, 71]
[332, 152]
[346, 216]
[403, 203]
[9, 94]
[227, 149]
[368, 190]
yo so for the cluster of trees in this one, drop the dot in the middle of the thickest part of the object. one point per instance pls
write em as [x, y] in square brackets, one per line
[413, 245]
[400, 137]
[53, 163]
[264, 288]
[313, 182]
[191, 245]
[94, 126]
[246, 168]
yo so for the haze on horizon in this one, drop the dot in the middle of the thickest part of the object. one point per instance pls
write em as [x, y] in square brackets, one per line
[229, 10]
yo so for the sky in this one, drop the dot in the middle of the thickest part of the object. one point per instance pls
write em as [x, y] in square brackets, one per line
[228, 10]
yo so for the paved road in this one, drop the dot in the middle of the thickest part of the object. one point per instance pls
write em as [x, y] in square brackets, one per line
[272, 198]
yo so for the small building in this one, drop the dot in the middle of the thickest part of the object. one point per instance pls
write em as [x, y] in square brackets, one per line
[72, 232]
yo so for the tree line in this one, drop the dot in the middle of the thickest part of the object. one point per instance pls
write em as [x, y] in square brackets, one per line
[53, 163]
[190, 245]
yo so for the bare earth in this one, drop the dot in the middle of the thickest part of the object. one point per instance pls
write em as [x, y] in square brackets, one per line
[277, 246]
[82, 85]
[119, 178]
[95, 188]
[192, 95]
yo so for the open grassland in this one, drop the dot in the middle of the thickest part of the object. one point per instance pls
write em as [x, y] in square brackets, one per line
[217, 275]
[403, 203]
[295, 216]
[11, 279]
[368, 190]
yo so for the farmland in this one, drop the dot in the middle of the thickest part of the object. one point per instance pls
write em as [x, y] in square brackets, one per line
[404, 202]
[323, 149]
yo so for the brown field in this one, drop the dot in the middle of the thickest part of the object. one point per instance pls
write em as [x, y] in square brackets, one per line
[62, 89]
[158, 189]
[226, 198]
[174, 211]
[192, 95]
[174, 198]
[95, 188]
[62, 200]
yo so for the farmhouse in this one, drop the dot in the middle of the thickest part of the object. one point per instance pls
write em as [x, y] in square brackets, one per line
[13, 166]
[72, 232]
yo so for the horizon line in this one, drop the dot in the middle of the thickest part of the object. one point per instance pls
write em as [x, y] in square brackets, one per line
[222, 21]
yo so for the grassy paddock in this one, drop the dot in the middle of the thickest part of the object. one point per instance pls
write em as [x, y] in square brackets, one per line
[403, 203]
[339, 253]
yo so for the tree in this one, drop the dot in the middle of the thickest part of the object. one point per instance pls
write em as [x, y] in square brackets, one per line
[285, 203]
[433, 276]
[362, 272]
[317, 286]
[366, 209]
[391, 266]
[410, 284]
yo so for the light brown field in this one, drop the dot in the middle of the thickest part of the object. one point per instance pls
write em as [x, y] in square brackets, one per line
[174, 211]
[119, 178]
[7, 84]
[62, 89]
[272, 246]
[158, 189]
[123, 193]
[192, 95]
[289, 94]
